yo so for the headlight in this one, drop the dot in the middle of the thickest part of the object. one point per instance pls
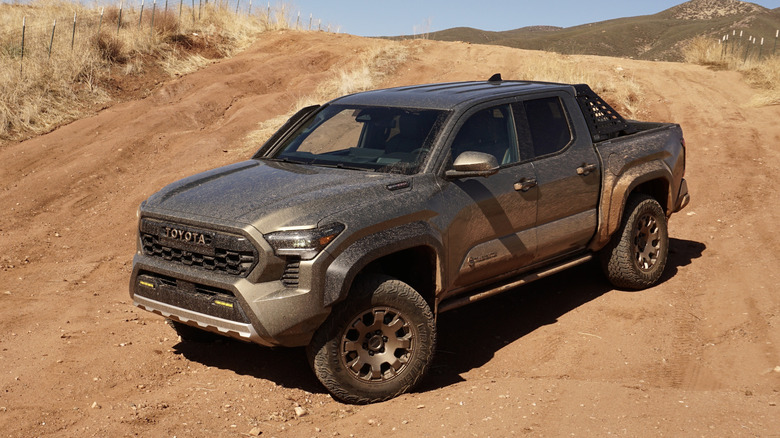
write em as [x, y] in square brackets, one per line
[305, 244]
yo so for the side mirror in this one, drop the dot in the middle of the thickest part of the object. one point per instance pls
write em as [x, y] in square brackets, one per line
[471, 164]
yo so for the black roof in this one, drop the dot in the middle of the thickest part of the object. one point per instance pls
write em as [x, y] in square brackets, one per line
[447, 96]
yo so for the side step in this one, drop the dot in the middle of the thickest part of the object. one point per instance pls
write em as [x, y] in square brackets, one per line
[481, 294]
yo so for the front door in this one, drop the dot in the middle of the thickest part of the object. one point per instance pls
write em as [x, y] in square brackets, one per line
[492, 233]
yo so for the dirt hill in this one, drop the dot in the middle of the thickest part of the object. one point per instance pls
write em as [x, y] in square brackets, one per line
[698, 355]
[652, 37]
[708, 9]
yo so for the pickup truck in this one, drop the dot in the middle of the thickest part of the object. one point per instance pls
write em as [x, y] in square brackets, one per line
[359, 221]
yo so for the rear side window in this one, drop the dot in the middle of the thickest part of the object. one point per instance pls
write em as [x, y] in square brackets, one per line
[542, 127]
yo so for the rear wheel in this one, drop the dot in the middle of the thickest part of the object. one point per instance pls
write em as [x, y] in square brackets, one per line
[636, 256]
[377, 344]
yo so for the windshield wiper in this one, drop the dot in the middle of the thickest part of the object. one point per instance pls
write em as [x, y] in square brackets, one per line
[342, 166]
[283, 160]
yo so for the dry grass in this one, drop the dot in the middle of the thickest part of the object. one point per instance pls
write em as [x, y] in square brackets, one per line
[371, 68]
[367, 71]
[617, 87]
[39, 92]
[704, 51]
[763, 72]
[766, 76]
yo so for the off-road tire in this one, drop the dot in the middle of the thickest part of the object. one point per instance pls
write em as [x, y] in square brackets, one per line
[377, 344]
[636, 255]
[191, 334]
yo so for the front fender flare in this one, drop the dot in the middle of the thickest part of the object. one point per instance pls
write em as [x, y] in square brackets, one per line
[345, 267]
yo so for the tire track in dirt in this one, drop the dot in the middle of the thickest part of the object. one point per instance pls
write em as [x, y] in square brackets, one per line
[731, 165]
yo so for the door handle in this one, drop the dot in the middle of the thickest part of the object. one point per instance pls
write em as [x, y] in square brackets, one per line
[525, 184]
[585, 169]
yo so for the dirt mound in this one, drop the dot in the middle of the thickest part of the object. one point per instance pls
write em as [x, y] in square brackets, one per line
[696, 355]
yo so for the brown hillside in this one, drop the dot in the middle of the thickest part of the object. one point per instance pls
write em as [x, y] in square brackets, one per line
[651, 37]
[698, 355]
[708, 9]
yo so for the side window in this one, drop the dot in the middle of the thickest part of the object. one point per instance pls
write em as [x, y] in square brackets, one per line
[491, 131]
[542, 127]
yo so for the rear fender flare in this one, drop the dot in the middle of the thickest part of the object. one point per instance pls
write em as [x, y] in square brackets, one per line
[613, 201]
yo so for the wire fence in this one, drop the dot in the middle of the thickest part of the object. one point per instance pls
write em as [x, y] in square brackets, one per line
[37, 38]
[747, 47]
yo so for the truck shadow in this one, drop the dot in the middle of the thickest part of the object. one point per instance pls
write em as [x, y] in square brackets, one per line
[286, 367]
[681, 253]
[468, 337]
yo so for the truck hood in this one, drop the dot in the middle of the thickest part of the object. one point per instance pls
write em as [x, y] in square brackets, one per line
[270, 195]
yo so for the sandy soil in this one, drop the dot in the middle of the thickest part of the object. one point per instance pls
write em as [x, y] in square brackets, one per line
[698, 355]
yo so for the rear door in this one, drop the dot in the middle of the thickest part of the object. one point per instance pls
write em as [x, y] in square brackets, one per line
[567, 171]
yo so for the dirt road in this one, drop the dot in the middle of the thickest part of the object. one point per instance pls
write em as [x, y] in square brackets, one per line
[698, 355]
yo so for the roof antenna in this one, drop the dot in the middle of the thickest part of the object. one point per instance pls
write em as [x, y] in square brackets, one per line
[495, 78]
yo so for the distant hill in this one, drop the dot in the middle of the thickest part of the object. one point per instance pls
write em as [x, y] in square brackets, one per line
[653, 37]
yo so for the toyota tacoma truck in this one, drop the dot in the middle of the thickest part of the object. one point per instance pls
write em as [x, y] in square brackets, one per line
[359, 221]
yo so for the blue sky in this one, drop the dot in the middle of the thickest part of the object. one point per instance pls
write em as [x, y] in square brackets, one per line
[407, 17]
[402, 17]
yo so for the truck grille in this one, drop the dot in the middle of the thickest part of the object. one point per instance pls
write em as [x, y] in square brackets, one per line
[210, 250]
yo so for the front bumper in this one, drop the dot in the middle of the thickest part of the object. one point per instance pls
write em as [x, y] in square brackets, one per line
[266, 313]
[203, 321]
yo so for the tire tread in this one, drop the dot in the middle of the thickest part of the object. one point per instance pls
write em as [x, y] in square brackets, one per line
[322, 352]
[616, 258]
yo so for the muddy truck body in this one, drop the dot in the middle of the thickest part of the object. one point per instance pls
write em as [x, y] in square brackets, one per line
[361, 220]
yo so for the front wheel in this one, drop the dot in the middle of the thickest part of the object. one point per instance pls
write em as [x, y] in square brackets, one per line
[377, 344]
[636, 256]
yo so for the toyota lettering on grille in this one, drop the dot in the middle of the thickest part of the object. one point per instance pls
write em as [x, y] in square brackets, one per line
[186, 236]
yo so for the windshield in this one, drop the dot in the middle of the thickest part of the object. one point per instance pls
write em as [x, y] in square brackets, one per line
[393, 140]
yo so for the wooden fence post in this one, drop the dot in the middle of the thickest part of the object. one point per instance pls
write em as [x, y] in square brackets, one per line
[21, 60]
[100, 22]
[51, 42]
[73, 35]
[119, 20]
[151, 26]
[734, 42]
